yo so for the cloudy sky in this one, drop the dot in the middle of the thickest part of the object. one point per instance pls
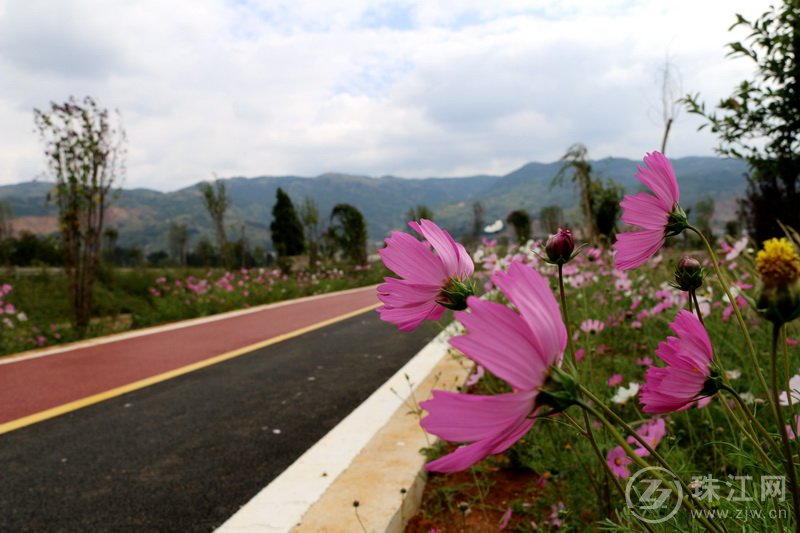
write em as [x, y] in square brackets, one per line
[411, 88]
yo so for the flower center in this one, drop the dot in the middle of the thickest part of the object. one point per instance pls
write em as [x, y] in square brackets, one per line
[778, 262]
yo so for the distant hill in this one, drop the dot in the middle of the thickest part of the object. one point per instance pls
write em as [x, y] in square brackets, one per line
[143, 216]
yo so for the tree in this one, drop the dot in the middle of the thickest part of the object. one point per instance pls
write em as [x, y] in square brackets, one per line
[419, 212]
[204, 254]
[670, 102]
[29, 249]
[6, 232]
[760, 121]
[575, 162]
[85, 154]
[702, 214]
[110, 236]
[551, 218]
[178, 237]
[287, 232]
[348, 231]
[477, 222]
[309, 217]
[521, 222]
[158, 258]
[216, 200]
[606, 209]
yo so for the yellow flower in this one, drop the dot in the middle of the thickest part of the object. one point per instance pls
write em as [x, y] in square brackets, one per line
[778, 262]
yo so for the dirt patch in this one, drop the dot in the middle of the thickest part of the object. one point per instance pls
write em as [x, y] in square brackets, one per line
[38, 225]
[493, 497]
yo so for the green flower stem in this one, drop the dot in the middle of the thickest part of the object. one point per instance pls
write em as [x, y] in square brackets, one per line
[693, 296]
[787, 447]
[757, 445]
[570, 348]
[638, 438]
[589, 434]
[688, 496]
[786, 371]
[750, 347]
[590, 437]
[752, 419]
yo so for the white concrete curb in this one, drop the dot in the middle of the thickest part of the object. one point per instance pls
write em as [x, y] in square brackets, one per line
[281, 504]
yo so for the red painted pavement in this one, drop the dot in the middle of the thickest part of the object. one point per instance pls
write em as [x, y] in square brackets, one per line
[33, 385]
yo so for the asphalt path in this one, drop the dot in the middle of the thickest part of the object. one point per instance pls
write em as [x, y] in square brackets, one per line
[186, 453]
[32, 386]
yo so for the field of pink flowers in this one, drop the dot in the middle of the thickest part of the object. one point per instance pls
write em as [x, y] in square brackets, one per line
[34, 309]
[633, 388]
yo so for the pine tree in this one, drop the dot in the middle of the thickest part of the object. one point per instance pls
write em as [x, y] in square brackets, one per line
[520, 220]
[287, 232]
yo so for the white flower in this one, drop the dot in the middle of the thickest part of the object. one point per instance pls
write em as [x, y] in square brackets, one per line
[733, 374]
[22, 317]
[747, 397]
[738, 247]
[624, 394]
[794, 386]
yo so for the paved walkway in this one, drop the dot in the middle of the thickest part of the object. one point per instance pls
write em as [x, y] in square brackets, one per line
[185, 453]
[29, 387]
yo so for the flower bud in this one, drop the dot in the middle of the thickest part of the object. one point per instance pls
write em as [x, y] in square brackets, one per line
[559, 247]
[689, 274]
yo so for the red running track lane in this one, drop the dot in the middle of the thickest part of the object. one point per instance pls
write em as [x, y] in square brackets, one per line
[34, 385]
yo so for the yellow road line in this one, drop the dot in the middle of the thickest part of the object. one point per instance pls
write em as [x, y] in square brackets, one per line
[152, 380]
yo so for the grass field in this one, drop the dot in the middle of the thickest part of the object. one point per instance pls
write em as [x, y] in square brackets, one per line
[36, 310]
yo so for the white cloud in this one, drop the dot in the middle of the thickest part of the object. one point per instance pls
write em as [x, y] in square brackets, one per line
[414, 88]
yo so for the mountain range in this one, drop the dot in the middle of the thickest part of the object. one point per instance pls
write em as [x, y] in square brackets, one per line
[142, 216]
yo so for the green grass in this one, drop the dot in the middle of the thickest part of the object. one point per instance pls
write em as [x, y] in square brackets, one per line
[132, 298]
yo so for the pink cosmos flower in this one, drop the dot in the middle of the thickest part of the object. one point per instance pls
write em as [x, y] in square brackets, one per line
[618, 461]
[592, 326]
[652, 432]
[652, 213]
[688, 357]
[519, 348]
[615, 380]
[794, 432]
[410, 301]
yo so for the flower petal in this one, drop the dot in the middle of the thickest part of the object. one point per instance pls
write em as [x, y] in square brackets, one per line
[636, 247]
[454, 257]
[500, 340]
[413, 260]
[494, 423]
[459, 417]
[659, 176]
[531, 294]
[645, 211]
[409, 318]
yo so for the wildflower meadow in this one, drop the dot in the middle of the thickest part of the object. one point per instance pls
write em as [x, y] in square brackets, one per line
[33, 305]
[627, 387]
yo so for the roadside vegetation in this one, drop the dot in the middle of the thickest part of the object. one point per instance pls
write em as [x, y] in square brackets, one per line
[35, 309]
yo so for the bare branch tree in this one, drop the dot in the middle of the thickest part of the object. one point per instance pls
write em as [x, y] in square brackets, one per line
[85, 154]
[215, 198]
[671, 93]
